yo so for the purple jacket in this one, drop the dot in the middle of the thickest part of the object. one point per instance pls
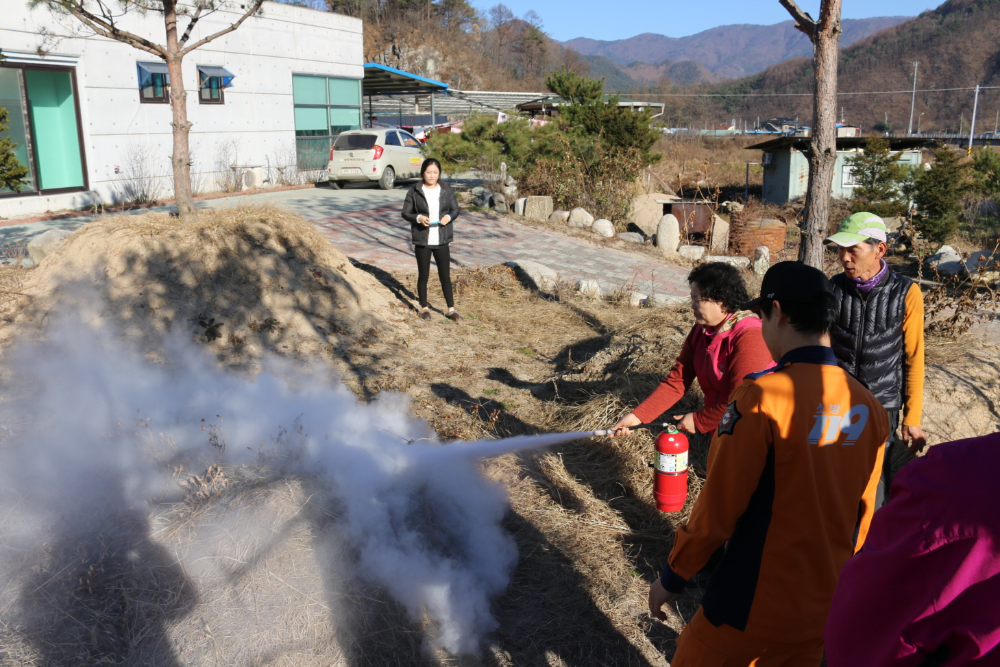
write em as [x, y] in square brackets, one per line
[928, 579]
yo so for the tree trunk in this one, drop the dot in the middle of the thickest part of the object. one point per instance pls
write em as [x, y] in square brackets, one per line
[180, 161]
[823, 147]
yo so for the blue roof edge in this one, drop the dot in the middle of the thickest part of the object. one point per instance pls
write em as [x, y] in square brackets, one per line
[386, 68]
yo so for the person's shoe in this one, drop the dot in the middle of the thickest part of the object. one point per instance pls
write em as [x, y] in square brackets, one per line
[453, 315]
[425, 314]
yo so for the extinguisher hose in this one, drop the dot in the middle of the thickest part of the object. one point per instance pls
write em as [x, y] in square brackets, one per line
[664, 426]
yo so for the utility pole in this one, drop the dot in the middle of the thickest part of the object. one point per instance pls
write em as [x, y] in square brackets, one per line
[996, 122]
[972, 125]
[913, 100]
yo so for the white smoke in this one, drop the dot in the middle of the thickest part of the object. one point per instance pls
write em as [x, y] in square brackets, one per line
[99, 425]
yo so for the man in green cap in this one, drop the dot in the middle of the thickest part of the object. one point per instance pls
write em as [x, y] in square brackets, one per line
[879, 334]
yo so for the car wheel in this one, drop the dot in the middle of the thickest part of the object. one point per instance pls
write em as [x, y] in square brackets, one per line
[336, 185]
[388, 179]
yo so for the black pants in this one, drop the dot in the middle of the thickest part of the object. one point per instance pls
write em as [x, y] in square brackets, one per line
[442, 257]
[882, 496]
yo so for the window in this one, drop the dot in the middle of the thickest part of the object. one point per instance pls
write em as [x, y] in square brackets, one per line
[154, 83]
[848, 179]
[324, 108]
[355, 142]
[392, 139]
[409, 141]
[212, 81]
[45, 124]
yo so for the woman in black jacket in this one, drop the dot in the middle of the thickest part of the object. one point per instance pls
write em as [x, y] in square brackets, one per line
[430, 208]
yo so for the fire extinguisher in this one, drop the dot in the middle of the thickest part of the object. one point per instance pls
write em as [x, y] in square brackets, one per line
[671, 470]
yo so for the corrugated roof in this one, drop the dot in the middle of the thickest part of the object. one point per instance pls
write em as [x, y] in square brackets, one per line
[800, 143]
[385, 80]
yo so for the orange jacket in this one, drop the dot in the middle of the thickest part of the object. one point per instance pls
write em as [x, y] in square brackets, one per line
[792, 474]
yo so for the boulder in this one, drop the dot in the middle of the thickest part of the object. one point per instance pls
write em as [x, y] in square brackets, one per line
[669, 301]
[668, 233]
[947, 260]
[519, 205]
[632, 237]
[579, 217]
[538, 275]
[591, 289]
[604, 228]
[478, 190]
[988, 261]
[499, 207]
[499, 199]
[637, 299]
[538, 208]
[720, 236]
[692, 252]
[645, 212]
[45, 244]
[559, 216]
[761, 260]
[739, 262]
[483, 199]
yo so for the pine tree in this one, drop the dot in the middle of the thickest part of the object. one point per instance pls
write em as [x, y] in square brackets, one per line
[13, 174]
[877, 173]
[986, 171]
[939, 194]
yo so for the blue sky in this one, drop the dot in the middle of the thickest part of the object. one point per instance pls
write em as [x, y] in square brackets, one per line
[566, 19]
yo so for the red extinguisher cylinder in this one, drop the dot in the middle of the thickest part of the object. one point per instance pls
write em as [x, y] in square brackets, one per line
[671, 466]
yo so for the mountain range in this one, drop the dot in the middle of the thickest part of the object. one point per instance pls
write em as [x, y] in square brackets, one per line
[955, 44]
[725, 52]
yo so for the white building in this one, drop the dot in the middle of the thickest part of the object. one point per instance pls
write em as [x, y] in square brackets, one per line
[92, 119]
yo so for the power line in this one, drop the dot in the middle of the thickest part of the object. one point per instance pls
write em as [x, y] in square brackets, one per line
[870, 92]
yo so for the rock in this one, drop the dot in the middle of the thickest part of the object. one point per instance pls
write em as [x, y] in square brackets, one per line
[478, 190]
[761, 260]
[538, 275]
[637, 299]
[731, 207]
[45, 244]
[739, 262]
[538, 208]
[632, 237]
[720, 236]
[692, 252]
[591, 289]
[559, 216]
[579, 217]
[668, 233]
[604, 228]
[510, 192]
[893, 224]
[519, 205]
[669, 301]
[986, 260]
[947, 260]
[483, 199]
[500, 207]
[645, 212]
[509, 182]
[499, 199]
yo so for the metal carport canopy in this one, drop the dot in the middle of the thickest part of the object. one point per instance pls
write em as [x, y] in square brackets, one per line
[384, 80]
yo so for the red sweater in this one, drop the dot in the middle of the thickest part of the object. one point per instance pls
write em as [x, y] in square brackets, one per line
[720, 360]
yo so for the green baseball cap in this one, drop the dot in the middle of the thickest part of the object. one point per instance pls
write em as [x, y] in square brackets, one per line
[859, 228]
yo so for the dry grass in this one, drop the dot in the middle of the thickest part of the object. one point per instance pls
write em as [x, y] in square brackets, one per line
[692, 163]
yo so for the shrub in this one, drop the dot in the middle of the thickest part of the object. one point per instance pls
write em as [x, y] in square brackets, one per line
[878, 174]
[986, 172]
[939, 195]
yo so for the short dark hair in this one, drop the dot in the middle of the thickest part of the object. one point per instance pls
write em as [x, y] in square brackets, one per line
[806, 318]
[428, 162]
[722, 283]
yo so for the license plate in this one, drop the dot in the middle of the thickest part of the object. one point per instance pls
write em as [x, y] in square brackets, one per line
[350, 171]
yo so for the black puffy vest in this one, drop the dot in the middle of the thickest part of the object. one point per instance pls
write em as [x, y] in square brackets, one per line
[868, 335]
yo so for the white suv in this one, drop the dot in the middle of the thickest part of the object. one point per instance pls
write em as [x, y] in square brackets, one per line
[374, 155]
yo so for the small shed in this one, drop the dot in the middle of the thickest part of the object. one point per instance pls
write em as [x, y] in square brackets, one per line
[786, 164]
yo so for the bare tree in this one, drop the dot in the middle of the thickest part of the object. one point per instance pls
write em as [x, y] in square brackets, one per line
[101, 17]
[825, 36]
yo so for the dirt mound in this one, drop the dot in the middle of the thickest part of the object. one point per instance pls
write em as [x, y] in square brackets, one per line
[241, 279]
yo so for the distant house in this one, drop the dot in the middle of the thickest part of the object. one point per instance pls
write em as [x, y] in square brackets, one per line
[786, 165]
[780, 125]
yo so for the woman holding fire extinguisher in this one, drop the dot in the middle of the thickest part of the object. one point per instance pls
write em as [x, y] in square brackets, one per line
[724, 346]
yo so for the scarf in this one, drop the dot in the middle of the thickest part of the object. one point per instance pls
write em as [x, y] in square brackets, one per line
[866, 286]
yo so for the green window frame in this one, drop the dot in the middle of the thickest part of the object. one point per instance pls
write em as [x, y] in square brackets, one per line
[324, 106]
[44, 113]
